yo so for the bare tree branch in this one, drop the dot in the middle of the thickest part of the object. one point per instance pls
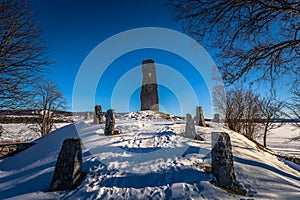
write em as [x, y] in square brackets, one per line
[249, 36]
[23, 58]
[48, 100]
[271, 111]
[240, 109]
[293, 106]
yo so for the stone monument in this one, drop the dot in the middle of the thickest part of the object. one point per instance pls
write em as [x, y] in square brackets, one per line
[217, 118]
[68, 166]
[149, 93]
[190, 127]
[87, 115]
[98, 115]
[110, 122]
[200, 121]
[222, 161]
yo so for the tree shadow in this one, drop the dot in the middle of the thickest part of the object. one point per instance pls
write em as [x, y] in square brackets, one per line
[265, 166]
[191, 150]
[28, 181]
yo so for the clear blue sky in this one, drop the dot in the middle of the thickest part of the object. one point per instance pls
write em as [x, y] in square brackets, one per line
[71, 29]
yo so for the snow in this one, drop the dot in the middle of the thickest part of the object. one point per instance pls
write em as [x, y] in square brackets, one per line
[279, 140]
[291, 164]
[150, 159]
[22, 132]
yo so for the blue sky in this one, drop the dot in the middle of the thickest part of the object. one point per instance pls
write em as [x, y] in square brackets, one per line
[72, 29]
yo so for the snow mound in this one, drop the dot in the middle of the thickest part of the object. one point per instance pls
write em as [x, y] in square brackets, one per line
[150, 159]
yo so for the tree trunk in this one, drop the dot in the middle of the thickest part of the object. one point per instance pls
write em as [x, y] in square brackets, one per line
[265, 135]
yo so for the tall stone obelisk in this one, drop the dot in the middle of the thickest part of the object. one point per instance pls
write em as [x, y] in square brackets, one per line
[149, 93]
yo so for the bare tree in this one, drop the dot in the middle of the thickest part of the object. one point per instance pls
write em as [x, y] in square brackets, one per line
[251, 114]
[240, 110]
[219, 101]
[271, 111]
[293, 106]
[257, 36]
[235, 107]
[22, 55]
[48, 100]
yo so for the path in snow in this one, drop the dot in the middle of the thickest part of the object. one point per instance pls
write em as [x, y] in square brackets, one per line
[151, 158]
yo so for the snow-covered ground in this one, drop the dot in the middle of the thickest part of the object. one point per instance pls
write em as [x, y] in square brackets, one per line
[279, 140]
[150, 159]
[22, 132]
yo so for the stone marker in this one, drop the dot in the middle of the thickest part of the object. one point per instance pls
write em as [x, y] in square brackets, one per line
[217, 118]
[190, 126]
[222, 163]
[200, 121]
[98, 115]
[68, 165]
[149, 93]
[110, 122]
[87, 115]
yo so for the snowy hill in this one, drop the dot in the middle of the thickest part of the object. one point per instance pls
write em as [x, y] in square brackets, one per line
[150, 159]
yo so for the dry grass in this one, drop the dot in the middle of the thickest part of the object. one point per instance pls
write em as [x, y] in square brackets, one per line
[199, 138]
[207, 169]
[238, 190]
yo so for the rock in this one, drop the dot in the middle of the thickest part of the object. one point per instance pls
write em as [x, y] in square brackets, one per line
[217, 118]
[222, 163]
[199, 138]
[110, 122]
[87, 116]
[98, 115]
[190, 127]
[68, 166]
[149, 93]
[200, 121]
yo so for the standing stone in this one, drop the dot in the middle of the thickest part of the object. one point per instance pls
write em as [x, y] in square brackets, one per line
[222, 163]
[110, 122]
[87, 115]
[190, 127]
[1, 130]
[149, 93]
[217, 118]
[200, 121]
[98, 115]
[68, 165]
